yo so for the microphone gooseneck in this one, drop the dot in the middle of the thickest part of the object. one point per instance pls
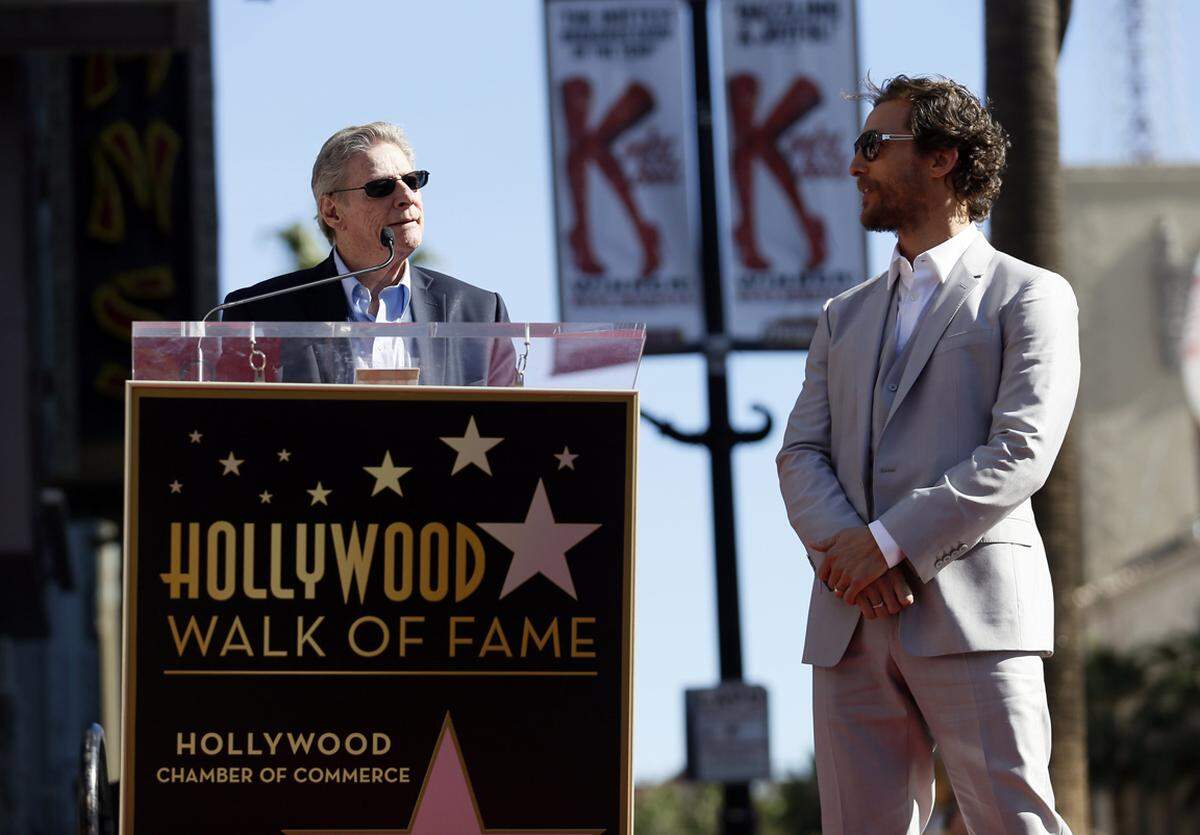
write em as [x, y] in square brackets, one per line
[386, 237]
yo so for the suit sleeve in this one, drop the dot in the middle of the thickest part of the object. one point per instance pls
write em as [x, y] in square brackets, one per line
[817, 506]
[1039, 380]
[501, 309]
[502, 365]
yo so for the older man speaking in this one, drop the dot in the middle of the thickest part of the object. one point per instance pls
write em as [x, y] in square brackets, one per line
[364, 182]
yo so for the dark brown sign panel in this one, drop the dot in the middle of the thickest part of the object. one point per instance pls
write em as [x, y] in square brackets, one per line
[365, 610]
[134, 222]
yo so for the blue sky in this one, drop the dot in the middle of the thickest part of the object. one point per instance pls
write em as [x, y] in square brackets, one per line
[466, 80]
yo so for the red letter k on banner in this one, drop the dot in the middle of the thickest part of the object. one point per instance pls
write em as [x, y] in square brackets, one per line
[760, 141]
[596, 145]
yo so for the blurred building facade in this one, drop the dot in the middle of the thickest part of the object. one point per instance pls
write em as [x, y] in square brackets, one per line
[1133, 237]
[107, 215]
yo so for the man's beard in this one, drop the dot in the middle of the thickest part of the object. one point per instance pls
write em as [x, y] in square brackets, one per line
[895, 206]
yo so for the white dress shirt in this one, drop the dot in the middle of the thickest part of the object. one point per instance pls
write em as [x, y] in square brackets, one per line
[919, 283]
[394, 306]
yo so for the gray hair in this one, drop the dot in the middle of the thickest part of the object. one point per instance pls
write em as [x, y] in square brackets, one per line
[337, 151]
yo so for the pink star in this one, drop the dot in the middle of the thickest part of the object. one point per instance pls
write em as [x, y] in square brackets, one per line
[447, 802]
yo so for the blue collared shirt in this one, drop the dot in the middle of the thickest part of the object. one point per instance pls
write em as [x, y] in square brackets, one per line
[393, 301]
[378, 352]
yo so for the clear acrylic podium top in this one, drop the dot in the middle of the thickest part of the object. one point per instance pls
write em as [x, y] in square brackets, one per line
[564, 355]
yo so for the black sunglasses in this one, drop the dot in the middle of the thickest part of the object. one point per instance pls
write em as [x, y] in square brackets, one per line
[415, 180]
[869, 142]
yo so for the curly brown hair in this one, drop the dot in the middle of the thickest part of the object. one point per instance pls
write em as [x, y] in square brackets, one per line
[945, 114]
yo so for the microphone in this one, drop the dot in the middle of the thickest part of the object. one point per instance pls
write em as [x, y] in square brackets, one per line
[386, 237]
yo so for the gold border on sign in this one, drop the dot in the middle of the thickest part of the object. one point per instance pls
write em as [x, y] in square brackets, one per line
[385, 673]
[129, 605]
[633, 415]
[136, 391]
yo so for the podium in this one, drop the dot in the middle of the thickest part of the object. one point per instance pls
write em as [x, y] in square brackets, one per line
[379, 578]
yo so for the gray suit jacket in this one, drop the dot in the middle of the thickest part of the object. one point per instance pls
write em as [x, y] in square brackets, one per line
[979, 416]
[436, 297]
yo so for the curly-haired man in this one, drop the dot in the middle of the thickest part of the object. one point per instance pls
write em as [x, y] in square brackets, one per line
[935, 399]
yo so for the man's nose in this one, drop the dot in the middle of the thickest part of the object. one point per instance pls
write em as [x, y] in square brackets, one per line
[858, 165]
[403, 195]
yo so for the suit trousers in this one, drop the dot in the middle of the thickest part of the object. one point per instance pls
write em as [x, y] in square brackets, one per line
[879, 713]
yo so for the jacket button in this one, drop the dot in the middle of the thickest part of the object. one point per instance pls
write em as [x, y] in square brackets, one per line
[892, 386]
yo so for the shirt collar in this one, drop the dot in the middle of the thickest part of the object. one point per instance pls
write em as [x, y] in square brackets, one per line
[942, 258]
[348, 285]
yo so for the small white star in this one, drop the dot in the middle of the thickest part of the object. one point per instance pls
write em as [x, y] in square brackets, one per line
[387, 476]
[566, 459]
[264, 497]
[231, 464]
[195, 436]
[471, 449]
[318, 494]
[284, 455]
[175, 486]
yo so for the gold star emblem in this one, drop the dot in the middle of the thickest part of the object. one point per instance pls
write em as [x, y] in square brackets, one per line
[175, 486]
[387, 476]
[471, 449]
[264, 497]
[318, 494]
[284, 455]
[566, 459]
[195, 436]
[231, 464]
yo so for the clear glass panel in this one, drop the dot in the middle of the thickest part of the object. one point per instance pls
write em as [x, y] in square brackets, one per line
[542, 355]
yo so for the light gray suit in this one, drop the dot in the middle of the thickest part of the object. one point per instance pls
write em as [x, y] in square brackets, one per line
[974, 417]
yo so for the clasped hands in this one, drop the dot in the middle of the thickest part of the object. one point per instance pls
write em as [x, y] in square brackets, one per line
[855, 569]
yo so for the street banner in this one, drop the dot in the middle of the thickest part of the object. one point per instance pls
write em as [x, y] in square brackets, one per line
[387, 610]
[791, 237]
[623, 136]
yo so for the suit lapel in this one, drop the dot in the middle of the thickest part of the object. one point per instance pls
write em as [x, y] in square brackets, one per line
[869, 321]
[963, 279]
[428, 305]
[866, 365]
[326, 303]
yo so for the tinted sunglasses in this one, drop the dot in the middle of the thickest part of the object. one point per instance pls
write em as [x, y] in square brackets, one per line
[414, 180]
[869, 142]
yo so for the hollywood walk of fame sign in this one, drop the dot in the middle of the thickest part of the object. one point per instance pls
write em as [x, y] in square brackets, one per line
[426, 627]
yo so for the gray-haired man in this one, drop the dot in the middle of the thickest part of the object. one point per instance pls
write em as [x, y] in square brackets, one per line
[364, 181]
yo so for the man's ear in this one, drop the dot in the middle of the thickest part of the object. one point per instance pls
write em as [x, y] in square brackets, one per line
[329, 210]
[942, 162]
